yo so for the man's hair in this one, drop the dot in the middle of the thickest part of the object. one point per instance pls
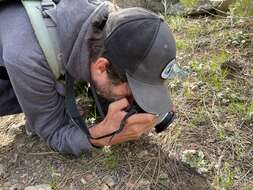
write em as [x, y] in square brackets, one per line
[97, 49]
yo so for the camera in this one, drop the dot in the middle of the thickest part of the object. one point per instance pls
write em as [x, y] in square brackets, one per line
[163, 124]
[102, 106]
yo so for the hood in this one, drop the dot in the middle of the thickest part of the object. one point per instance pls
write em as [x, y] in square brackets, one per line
[74, 24]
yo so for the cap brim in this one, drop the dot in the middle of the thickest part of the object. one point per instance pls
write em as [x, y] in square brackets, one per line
[151, 98]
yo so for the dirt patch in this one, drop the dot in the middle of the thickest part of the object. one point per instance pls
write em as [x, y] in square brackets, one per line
[28, 161]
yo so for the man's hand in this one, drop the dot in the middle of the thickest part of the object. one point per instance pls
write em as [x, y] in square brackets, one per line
[135, 126]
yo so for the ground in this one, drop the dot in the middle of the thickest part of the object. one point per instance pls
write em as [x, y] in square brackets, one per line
[209, 146]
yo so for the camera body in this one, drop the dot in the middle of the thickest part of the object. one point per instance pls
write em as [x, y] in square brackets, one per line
[161, 125]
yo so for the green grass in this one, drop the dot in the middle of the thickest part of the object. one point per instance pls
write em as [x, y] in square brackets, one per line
[54, 177]
[203, 46]
[225, 178]
[208, 69]
[181, 44]
[176, 23]
[110, 161]
[200, 118]
[189, 3]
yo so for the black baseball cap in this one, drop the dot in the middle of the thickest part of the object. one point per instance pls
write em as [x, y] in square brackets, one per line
[140, 44]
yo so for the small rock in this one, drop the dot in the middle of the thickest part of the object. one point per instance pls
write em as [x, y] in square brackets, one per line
[104, 187]
[14, 129]
[143, 154]
[202, 170]
[39, 187]
[88, 177]
[2, 170]
[109, 181]
[83, 181]
[14, 158]
[163, 175]
[195, 87]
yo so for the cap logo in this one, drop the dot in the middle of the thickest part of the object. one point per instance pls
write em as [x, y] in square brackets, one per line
[167, 70]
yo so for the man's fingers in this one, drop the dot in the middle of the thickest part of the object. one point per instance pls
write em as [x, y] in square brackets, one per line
[119, 105]
[141, 118]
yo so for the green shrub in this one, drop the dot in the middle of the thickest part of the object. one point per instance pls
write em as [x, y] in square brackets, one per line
[242, 8]
[189, 3]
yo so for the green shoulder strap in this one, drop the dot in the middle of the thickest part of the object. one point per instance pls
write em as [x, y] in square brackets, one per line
[34, 12]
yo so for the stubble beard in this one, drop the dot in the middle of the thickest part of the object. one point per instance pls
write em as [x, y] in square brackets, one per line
[106, 92]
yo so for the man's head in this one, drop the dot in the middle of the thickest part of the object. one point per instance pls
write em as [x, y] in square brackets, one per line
[134, 57]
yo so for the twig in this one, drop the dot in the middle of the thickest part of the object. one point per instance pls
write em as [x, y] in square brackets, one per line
[41, 153]
[129, 164]
[63, 180]
[130, 178]
[159, 165]
[209, 115]
[153, 175]
[141, 175]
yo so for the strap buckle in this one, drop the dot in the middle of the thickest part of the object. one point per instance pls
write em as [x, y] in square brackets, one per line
[47, 5]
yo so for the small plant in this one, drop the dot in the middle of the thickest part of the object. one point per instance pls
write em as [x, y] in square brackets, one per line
[238, 38]
[196, 160]
[196, 66]
[226, 177]
[250, 109]
[187, 90]
[200, 118]
[189, 4]
[209, 70]
[54, 177]
[238, 108]
[177, 23]
[242, 8]
[221, 133]
[111, 160]
[181, 44]
[193, 31]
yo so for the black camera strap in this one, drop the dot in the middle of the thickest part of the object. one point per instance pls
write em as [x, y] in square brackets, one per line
[70, 105]
[97, 102]
[3, 73]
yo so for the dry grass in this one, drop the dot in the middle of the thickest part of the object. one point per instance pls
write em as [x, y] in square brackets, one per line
[214, 104]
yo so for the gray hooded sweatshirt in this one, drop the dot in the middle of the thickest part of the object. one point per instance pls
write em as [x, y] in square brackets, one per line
[32, 88]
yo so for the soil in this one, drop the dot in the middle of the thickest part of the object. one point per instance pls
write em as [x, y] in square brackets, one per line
[28, 161]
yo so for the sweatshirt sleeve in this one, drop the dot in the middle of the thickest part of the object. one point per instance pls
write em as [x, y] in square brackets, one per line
[44, 108]
[34, 84]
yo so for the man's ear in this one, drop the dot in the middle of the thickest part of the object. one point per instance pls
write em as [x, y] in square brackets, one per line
[99, 69]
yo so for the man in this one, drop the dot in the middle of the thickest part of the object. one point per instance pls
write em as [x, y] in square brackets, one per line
[124, 53]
